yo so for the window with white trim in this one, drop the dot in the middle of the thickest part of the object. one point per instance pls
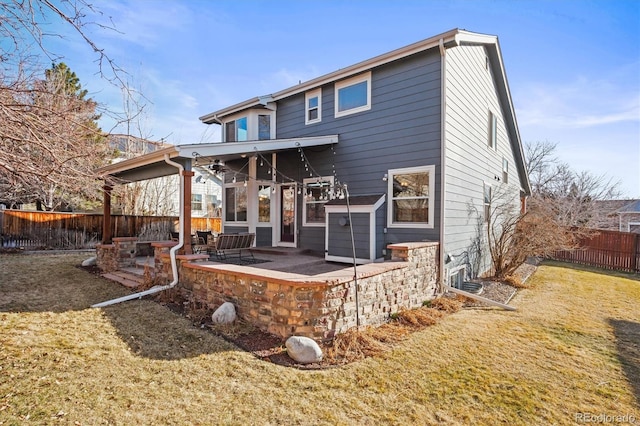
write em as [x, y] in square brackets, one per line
[264, 203]
[353, 95]
[317, 192]
[313, 106]
[411, 197]
[505, 170]
[235, 203]
[250, 125]
[493, 131]
[196, 202]
[264, 127]
[486, 201]
[236, 130]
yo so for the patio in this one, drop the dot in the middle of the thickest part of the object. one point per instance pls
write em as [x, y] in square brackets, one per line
[293, 292]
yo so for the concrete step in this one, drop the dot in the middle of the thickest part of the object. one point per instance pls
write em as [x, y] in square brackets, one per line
[126, 279]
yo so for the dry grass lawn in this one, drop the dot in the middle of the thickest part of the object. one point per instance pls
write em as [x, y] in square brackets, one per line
[572, 347]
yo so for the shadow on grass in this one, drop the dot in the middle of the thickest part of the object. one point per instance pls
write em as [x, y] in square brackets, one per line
[627, 335]
[56, 284]
[153, 331]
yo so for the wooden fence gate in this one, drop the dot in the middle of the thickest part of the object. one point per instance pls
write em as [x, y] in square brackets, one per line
[607, 249]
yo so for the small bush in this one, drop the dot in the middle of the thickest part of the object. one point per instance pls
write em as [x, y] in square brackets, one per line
[447, 304]
[514, 281]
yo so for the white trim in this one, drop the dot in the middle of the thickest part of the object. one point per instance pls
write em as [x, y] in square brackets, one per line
[451, 38]
[492, 136]
[342, 209]
[306, 182]
[226, 222]
[431, 170]
[365, 77]
[632, 223]
[485, 185]
[253, 124]
[221, 149]
[317, 93]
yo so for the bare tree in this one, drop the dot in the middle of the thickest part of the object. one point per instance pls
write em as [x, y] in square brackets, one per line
[49, 142]
[513, 236]
[560, 210]
[572, 196]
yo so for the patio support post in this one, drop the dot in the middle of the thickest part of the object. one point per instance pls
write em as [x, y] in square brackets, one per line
[186, 202]
[106, 215]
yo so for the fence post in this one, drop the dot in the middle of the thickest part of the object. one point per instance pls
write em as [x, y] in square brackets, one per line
[634, 254]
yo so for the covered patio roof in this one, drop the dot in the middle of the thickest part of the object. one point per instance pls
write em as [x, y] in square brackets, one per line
[152, 165]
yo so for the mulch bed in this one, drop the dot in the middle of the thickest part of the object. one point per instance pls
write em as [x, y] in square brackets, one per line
[271, 348]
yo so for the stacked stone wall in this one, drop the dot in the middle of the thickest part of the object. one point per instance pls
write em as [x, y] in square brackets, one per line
[322, 309]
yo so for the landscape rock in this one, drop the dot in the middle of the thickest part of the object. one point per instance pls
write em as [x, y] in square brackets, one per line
[225, 314]
[303, 349]
[89, 262]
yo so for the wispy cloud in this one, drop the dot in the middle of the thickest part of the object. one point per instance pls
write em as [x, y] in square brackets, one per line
[143, 23]
[285, 78]
[581, 103]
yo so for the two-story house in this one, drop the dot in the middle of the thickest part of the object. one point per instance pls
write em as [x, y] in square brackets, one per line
[410, 145]
[421, 136]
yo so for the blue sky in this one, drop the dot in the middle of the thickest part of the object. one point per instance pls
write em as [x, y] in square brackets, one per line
[573, 66]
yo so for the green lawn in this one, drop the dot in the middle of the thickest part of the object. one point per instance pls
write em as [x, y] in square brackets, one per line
[572, 349]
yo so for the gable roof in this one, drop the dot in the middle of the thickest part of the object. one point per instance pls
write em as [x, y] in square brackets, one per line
[632, 207]
[446, 40]
[451, 38]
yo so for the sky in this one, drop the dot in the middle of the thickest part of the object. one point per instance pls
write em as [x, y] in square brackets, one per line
[573, 66]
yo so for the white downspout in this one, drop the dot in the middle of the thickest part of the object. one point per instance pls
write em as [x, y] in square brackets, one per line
[172, 252]
[443, 152]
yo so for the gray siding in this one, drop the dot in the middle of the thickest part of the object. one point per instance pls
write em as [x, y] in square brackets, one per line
[402, 129]
[235, 229]
[263, 236]
[470, 162]
[340, 236]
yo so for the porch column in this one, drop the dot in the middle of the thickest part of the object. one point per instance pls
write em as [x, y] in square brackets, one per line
[186, 204]
[106, 215]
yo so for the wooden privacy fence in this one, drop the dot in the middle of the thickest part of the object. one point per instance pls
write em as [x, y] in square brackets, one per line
[46, 230]
[607, 249]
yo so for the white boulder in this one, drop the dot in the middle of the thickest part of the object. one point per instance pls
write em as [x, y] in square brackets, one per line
[303, 349]
[90, 261]
[225, 314]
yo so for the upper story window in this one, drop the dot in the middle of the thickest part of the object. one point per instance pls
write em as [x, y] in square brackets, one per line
[236, 130]
[411, 197]
[196, 202]
[353, 95]
[254, 124]
[264, 127]
[313, 106]
[317, 193]
[493, 131]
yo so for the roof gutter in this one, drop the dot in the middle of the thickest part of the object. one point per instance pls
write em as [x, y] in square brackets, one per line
[448, 38]
[172, 252]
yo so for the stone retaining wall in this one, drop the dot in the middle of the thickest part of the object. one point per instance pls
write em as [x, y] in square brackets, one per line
[318, 308]
[287, 304]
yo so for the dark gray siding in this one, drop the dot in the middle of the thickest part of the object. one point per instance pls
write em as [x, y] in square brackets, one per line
[235, 229]
[402, 129]
[340, 236]
[263, 237]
